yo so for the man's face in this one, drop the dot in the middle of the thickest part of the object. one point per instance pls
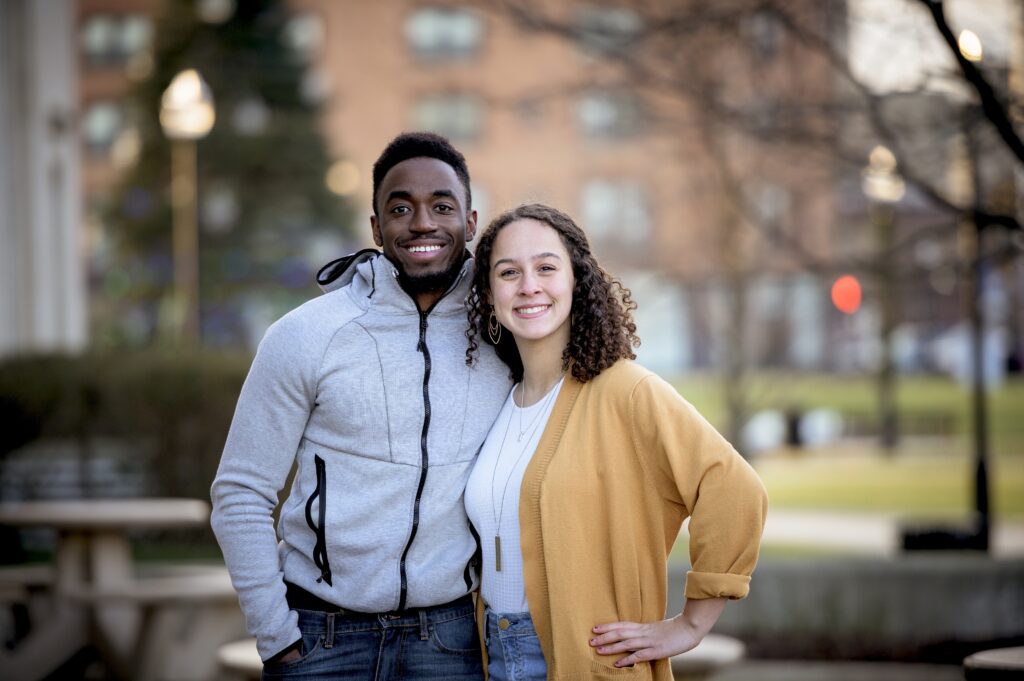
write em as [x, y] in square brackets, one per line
[422, 223]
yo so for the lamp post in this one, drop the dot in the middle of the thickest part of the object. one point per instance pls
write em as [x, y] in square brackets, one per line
[971, 233]
[186, 115]
[884, 187]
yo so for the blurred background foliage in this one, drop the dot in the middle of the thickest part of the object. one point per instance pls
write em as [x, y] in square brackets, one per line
[171, 411]
[265, 214]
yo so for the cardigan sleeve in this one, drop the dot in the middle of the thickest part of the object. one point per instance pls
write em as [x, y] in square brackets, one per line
[693, 465]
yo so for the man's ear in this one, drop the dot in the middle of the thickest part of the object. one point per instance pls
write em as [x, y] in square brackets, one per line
[470, 225]
[375, 230]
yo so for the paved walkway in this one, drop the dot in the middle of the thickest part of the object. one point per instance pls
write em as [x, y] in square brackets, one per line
[798, 670]
[877, 534]
[869, 534]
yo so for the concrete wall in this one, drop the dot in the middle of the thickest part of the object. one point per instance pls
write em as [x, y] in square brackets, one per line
[42, 281]
[917, 606]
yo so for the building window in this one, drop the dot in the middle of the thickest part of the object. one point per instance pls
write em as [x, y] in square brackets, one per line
[457, 116]
[101, 125]
[606, 30]
[602, 113]
[616, 212]
[109, 39]
[440, 33]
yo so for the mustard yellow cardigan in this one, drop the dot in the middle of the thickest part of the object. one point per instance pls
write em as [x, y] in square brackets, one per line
[621, 464]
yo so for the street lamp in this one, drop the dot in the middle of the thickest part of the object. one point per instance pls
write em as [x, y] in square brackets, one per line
[186, 115]
[884, 187]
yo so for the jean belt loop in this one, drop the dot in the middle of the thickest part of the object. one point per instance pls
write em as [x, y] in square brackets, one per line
[424, 632]
[329, 636]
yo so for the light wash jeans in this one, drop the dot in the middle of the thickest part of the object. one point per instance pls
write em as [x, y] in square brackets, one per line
[513, 648]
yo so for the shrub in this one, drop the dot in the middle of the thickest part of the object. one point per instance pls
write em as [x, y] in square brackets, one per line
[173, 410]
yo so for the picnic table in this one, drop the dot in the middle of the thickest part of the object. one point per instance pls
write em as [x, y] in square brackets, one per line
[994, 664]
[98, 598]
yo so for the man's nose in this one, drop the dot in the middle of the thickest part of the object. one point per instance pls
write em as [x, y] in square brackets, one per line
[422, 221]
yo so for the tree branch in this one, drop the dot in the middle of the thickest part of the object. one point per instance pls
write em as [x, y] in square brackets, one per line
[990, 104]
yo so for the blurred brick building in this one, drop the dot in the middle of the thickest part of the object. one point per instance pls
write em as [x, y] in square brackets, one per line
[545, 117]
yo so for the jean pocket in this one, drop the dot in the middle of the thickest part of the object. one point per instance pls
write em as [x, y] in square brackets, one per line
[311, 645]
[456, 636]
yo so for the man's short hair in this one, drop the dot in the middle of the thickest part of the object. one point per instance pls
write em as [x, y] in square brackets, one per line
[418, 145]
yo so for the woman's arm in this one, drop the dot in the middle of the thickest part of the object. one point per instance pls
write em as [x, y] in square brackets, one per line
[657, 640]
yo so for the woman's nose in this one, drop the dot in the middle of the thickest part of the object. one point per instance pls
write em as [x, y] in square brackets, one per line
[528, 284]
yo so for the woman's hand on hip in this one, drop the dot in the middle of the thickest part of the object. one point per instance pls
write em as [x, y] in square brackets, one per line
[643, 642]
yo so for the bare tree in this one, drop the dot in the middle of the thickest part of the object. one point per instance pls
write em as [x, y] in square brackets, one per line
[766, 90]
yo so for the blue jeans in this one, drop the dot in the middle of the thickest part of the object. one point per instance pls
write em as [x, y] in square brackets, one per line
[513, 649]
[432, 643]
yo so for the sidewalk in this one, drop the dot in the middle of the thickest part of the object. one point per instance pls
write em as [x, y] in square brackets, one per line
[798, 670]
[878, 534]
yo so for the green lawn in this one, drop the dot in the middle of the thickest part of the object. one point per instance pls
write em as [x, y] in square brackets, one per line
[929, 477]
[913, 483]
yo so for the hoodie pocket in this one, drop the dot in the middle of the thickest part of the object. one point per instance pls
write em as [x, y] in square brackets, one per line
[319, 495]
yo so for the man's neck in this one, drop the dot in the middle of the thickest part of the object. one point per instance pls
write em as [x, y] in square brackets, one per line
[426, 299]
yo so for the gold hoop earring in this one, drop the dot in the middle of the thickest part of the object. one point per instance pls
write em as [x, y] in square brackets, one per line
[493, 328]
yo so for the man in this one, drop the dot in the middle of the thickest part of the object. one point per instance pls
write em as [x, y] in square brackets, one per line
[367, 390]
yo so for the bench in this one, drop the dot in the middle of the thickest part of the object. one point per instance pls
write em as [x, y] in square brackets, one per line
[18, 581]
[995, 665]
[711, 654]
[153, 596]
[240, 660]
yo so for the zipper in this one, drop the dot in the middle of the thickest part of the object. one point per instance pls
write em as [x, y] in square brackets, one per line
[320, 549]
[421, 346]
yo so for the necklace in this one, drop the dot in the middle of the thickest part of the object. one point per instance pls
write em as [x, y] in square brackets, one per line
[532, 425]
[499, 513]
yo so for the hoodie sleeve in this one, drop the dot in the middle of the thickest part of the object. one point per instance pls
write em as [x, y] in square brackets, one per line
[270, 418]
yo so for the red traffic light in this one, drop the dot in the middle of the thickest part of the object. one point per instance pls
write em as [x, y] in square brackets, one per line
[846, 294]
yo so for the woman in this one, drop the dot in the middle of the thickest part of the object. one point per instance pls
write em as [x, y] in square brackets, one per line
[588, 472]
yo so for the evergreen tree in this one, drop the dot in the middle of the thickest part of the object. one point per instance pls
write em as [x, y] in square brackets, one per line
[261, 181]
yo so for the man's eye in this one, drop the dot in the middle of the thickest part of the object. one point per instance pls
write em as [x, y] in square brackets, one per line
[399, 210]
[444, 208]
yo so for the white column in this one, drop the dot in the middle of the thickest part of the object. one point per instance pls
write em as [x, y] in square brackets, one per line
[42, 274]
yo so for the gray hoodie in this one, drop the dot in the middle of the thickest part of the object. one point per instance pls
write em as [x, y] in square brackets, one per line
[374, 402]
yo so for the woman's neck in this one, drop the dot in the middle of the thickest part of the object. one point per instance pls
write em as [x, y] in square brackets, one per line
[542, 369]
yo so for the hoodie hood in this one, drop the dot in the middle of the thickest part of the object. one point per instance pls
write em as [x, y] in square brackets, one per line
[341, 271]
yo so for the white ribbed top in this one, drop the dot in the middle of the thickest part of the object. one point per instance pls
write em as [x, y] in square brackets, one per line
[498, 473]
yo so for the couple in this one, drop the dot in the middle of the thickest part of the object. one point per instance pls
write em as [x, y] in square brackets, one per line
[526, 459]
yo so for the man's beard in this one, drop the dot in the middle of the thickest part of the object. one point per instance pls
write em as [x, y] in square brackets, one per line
[430, 282]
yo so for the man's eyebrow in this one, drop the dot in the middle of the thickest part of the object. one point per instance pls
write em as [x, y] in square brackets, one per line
[539, 256]
[398, 194]
[407, 195]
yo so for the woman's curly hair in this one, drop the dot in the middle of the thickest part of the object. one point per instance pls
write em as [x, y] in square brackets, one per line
[602, 330]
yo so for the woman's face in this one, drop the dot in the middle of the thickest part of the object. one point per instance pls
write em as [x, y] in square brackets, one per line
[531, 282]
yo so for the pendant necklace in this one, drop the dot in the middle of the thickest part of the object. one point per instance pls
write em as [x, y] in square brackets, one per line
[497, 514]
